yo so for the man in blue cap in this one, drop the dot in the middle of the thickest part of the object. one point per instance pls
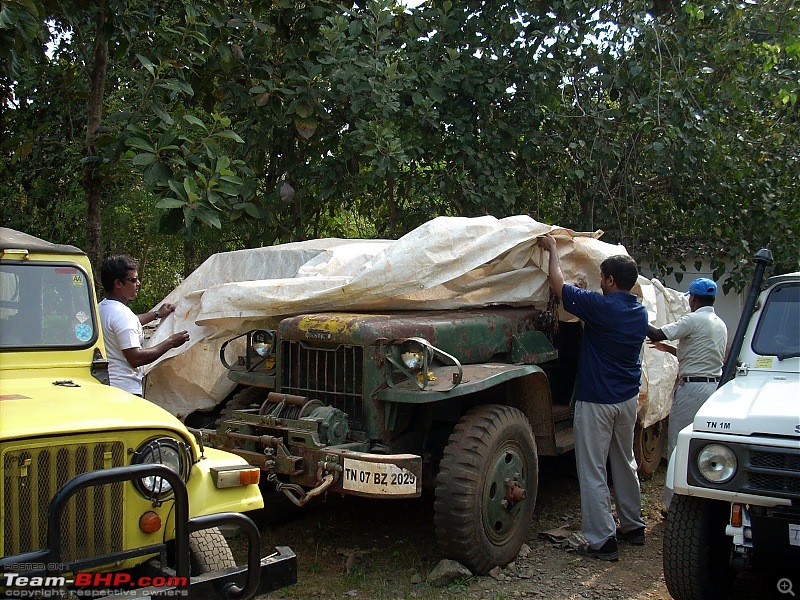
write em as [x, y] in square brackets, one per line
[702, 340]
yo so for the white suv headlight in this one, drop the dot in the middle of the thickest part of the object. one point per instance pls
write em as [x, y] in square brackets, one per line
[717, 463]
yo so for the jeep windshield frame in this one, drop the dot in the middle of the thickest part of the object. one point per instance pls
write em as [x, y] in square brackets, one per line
[778, 330]
[46, 306]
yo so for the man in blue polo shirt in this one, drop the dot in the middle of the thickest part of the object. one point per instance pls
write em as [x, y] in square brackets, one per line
[614, 329]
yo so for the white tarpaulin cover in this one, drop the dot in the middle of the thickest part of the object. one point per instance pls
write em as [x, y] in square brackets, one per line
[449, 262]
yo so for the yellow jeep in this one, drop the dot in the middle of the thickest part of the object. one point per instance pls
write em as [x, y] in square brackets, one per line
[94, 480]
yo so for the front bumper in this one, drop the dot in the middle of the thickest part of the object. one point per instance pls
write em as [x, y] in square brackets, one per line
[768, 472]
[347, 468]
[269, 573]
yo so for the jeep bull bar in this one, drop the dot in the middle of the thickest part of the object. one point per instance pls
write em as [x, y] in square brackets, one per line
[260, 575]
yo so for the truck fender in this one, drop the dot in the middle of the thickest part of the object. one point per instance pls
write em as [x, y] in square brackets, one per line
[531, 394]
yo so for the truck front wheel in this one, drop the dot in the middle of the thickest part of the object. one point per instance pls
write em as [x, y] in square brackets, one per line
[486, 488]
[696, 550]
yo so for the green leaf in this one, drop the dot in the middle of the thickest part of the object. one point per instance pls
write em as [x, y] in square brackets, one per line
[230, 135]
[190, 186]
[232, 179]
[141, 144]
[161, 113]
[157, 174]
[436, 94]
[223, 162]
[195, 121]
[252, 210]
[355, 28]
[209, 218]
[143, 159]
[147, 64]
[168, 203]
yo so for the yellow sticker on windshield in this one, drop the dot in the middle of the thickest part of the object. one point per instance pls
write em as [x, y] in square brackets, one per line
[764, 362]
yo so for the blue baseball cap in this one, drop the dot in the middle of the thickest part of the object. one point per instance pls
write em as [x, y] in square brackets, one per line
[702, 286]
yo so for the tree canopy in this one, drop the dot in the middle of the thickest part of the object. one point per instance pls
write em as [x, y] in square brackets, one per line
[179, 129]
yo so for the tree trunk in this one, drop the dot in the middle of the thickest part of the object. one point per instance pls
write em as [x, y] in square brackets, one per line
[92, 178]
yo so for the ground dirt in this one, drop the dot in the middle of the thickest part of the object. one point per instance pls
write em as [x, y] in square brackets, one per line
[354, 548]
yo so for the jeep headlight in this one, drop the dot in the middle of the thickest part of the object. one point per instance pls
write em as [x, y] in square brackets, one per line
[716, 463]
[165, 451]
[262, 342]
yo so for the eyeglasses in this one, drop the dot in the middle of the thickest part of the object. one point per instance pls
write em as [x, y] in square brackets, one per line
[133, 279]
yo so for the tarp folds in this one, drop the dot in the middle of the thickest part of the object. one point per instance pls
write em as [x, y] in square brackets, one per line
[447, 263]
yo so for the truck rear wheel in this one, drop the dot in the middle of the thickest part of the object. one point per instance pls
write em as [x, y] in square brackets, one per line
[486, 488]
[209, 551]
[648, 446]
[696, 550]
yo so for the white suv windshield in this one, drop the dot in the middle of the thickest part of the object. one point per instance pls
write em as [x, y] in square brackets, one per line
[778, 331]
[45, 306]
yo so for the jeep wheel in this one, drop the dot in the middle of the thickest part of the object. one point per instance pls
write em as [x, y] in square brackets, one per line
[696, 550]
[648, 446]
[209, 551]
[486, 488]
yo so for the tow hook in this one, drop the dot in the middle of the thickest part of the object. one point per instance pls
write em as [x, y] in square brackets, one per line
[299, 496]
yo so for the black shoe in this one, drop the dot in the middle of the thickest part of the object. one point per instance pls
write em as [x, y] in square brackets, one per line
[634, 536]
[608, 551]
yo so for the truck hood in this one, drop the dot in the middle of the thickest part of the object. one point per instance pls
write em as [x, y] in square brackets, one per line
[34, 406]
[757, 403]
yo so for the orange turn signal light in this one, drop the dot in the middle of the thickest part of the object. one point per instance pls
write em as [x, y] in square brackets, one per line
[250, 476]
[736, 515]
[226, 477]
[150, 522]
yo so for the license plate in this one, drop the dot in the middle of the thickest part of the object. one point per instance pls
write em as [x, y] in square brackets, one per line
[794, 534]
[378, 478]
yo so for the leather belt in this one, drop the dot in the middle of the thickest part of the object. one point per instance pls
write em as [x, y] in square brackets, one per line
[701, 379]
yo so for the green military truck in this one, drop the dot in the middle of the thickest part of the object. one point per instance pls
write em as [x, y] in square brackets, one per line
[458, 403]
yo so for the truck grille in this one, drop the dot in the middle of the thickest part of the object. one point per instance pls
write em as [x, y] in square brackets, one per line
[331, 375]
[776, 472]
[92, 522]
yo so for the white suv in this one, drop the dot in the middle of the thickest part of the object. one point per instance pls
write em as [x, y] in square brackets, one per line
[736, 469]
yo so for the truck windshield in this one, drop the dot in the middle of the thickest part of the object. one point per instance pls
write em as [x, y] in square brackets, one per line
[45, 306]
[778, 331]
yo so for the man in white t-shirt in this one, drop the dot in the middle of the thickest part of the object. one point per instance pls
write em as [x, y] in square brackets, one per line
[702, 339]
[122, 328]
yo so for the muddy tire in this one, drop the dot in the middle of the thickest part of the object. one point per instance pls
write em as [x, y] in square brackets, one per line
[696, 550]
[209, 551]
[480, 520]
[648, 447]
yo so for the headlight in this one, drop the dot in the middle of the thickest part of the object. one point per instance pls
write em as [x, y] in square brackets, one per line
[412, 355]
[717, 463]
[412, 360]
[165, 451]
[262, 342]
